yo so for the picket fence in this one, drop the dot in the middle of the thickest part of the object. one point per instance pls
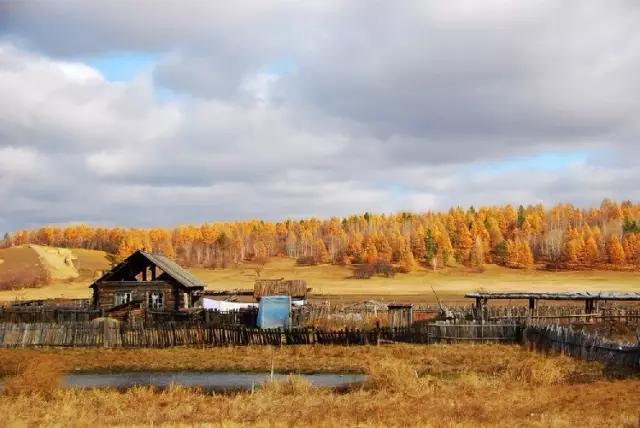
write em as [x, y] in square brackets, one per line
[107, 333]
[566, 341]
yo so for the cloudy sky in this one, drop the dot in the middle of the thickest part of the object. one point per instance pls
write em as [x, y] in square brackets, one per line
[154, 112]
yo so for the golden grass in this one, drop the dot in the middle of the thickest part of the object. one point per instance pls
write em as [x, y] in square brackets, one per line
[335, 282]
[409, 385]
[36, 375]
[433, 359]
[452, 282]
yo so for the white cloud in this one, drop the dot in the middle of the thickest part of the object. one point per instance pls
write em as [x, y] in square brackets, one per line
[393, 107]
[19, 162]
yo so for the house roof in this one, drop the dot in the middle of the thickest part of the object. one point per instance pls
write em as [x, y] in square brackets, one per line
[174, 270]
[168, 266]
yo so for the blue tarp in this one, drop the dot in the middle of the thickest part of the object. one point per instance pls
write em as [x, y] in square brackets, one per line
[273, 311]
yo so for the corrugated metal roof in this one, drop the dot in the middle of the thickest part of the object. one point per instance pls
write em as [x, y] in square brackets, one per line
[174, 270]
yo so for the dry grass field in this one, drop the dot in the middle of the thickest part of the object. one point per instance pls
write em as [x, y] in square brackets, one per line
[336, 282]
[409, 385]
[68, 280]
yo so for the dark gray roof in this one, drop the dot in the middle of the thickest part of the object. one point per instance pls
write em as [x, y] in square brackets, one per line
[168, 266]
[174, 270]
[580, 295]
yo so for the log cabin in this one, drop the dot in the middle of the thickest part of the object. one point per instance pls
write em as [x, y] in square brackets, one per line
[147, 281]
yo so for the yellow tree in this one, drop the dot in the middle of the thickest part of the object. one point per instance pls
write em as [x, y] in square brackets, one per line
[477, 253]
[370, 252]
[525, 256]
[407, 262]
[590, 252]
[464, 244]
[571, 247]
[321, 255]
[615, 252]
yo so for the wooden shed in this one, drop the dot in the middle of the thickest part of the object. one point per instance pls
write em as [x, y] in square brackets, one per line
[400, 315]
[148, 281]
[295, 288]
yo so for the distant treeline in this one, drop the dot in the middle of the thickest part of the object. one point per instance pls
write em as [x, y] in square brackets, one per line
[559, 237]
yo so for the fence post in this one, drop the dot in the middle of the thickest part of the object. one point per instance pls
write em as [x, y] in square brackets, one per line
[105, 334]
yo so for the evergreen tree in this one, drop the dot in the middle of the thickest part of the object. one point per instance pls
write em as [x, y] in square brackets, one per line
[502, 253]
[521, 216]
[430, 246]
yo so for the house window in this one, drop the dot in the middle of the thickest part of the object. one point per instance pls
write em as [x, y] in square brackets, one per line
[155, 300]
[122, 297]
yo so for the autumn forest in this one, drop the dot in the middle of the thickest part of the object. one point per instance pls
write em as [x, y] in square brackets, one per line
[561, 237]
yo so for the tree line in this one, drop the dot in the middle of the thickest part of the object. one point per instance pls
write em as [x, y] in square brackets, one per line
[560, 237]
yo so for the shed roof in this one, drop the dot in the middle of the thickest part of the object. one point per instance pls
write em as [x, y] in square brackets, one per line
[579, 295]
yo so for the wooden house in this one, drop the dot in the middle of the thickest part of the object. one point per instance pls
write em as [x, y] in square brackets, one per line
[146, 281]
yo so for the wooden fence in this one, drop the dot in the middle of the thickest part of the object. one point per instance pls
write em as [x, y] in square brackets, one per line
[28, 314]
[564, 340]
[112, 334]
[52, 314]
[549, 314]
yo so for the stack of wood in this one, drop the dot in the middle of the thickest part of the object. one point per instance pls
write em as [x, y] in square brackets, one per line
[296, 288]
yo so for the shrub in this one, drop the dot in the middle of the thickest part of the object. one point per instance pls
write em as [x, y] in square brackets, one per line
[39, 375]
[385, 269]
[306, 261]
[364, 271]
[25, 278]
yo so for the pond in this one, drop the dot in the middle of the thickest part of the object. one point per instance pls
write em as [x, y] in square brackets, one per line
[210, 381]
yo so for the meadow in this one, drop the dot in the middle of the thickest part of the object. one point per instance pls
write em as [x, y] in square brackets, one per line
[337, 283]
[408, 385]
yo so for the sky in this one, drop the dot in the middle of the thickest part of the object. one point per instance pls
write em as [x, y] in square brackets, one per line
[145, 113]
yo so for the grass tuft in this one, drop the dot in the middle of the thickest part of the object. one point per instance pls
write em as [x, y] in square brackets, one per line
[537, 370]
[291, 385]
[39, 375]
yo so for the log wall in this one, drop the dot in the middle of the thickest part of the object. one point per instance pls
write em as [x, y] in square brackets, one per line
[105, 293]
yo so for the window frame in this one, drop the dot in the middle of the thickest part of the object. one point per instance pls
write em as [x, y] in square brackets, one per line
[122, 297]
[155, 305]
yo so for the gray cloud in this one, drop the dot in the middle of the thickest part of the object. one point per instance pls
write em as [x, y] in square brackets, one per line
[379, 107]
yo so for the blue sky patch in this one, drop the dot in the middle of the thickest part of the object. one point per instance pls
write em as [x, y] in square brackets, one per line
[281, 66]
[543, 161]
[123, 66]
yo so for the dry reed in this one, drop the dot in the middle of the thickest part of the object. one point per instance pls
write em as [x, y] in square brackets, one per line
[38, 375]
[408, 385]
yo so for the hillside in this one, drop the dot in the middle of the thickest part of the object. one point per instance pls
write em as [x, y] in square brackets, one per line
[33, 265]
[333, 281]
